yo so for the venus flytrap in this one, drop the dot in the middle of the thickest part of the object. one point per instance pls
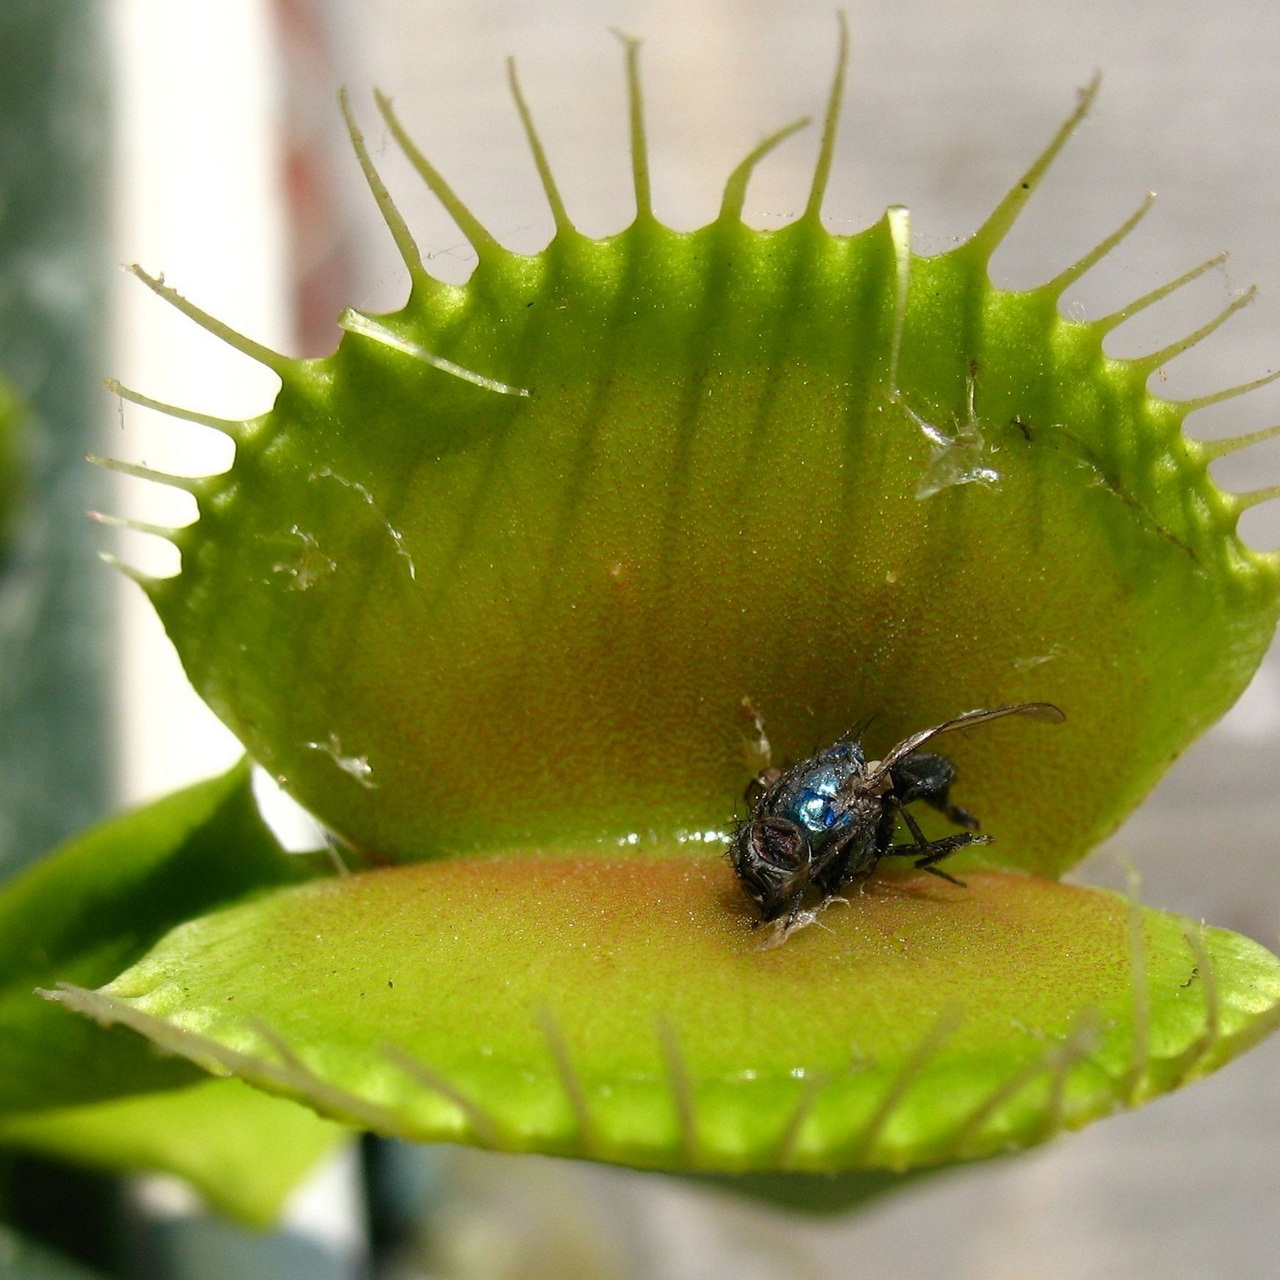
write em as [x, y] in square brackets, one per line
[487, 588]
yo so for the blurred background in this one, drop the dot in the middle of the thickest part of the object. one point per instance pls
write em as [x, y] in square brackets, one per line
[202, 140]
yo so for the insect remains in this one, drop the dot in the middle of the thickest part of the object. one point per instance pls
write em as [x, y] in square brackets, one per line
[829, 820]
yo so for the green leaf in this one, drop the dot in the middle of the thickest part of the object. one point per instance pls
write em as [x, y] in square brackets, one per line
[22, 1259]
[12, 464]
[500, 572]
[96, 904]
[243, 1150]
[625, 1011]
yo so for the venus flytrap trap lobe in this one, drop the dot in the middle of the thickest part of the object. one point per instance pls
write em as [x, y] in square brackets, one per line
[887, 1043]
[572, 512]
[568, 516]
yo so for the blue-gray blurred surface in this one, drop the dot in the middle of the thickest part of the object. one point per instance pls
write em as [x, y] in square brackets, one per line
[55, 632]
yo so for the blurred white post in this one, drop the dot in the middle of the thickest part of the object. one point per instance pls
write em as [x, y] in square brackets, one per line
[199, 198]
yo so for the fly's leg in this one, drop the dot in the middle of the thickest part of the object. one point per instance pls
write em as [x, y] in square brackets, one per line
[929, 852]
[848, 860]
[928, 776]
[953, 812]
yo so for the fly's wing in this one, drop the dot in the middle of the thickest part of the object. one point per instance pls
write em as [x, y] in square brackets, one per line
[1045, 711]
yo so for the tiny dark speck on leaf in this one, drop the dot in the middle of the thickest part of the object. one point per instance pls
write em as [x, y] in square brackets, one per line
[390, 983]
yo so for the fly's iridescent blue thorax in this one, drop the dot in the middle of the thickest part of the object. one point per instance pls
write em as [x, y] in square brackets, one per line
[817, 799]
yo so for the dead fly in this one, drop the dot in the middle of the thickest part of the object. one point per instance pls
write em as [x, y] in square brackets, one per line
[827, 821]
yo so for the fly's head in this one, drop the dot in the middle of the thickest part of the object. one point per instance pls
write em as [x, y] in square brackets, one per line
[772, 858]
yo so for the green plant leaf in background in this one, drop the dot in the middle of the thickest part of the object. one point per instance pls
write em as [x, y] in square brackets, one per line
[241, 1149]
[89, 908]
[22, 1259]
[12, 469]
[98, 903]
